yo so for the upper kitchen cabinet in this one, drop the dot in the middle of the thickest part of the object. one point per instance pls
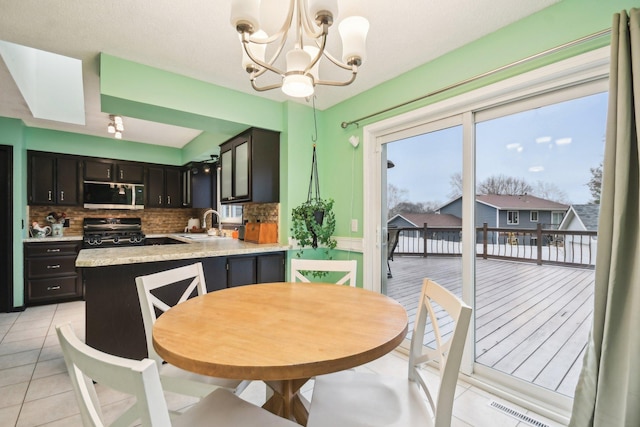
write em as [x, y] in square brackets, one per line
[53, 179]
[250, 167]
[164, 187]
[107, 170]
[203, 188]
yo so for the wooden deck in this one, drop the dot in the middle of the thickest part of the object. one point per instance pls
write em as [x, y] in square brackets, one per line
[532, 321]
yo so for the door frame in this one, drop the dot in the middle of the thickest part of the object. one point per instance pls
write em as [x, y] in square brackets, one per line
[6, 229]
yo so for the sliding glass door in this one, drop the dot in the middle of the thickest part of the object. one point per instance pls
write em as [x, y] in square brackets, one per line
[537, 171]
[423, 173]
[495, 194]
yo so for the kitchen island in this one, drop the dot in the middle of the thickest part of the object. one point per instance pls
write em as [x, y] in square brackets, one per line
[113, 317]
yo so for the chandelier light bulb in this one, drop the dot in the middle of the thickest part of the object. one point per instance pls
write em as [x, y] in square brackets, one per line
[118, 135]
[118, 120]
[295, 83]
[111, 128]
[119, 126]
[353, 31]
[244, 15]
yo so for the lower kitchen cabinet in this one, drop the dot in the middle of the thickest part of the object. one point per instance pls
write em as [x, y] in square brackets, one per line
[113, 317]
[50, 272]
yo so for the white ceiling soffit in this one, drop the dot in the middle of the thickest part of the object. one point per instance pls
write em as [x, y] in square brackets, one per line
[196, 39]
[51, 84]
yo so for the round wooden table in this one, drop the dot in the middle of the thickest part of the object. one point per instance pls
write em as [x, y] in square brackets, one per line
[280, 333]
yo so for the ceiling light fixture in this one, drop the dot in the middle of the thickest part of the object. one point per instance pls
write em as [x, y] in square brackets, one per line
[253, 20]
[115, 126]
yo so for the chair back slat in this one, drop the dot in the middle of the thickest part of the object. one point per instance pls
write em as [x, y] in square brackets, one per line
[349, 268]
[138, 378]
[448, 347]
[150, 302]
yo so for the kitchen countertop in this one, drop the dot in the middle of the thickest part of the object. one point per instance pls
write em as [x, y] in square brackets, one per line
[213, 247]
[52, 239]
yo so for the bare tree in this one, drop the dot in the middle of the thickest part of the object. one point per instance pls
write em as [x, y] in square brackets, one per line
[411, 207]
[396, 195]
[456, 185]
[504, 185]
[549, 191]
[595, 183]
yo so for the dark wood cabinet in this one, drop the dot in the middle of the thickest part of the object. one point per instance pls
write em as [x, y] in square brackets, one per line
[263, 268]
[107, 170]
[173, 187]
[250, 167]
[50, 272]
[130, 173]
[53, 179]
[203, 189]
[114, 321]
[270, 268]
[241, 270]
[164, 187]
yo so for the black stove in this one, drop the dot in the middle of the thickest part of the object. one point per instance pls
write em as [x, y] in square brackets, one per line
[112, 232]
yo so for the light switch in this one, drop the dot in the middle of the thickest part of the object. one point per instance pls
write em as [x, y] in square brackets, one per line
[354, 225]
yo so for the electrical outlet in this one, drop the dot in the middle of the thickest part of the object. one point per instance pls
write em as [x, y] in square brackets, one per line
[354, 225]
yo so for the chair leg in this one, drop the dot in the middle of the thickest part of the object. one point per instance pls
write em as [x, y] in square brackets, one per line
[389, 275]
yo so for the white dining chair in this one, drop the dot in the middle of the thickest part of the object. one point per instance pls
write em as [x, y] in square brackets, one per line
[173, 378]
[356, 398]
[140, 379]
[301, 270]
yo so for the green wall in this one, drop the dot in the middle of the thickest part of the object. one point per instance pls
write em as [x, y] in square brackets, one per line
[135, 90]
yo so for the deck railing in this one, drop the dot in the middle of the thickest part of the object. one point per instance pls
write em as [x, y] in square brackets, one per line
[539, 245]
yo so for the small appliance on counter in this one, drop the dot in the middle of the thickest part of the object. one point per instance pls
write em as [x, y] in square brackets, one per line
[193, 226]
[261, 232]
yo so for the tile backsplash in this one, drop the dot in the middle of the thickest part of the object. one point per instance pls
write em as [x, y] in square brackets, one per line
[154, 221]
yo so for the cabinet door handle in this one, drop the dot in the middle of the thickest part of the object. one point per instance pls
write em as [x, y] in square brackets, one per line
[109, 173]
[62, 196]
[168, 200]
[49, 195]
[121, 174]
[54, 266]
[53, 250]
[53, 288]
[159, 200]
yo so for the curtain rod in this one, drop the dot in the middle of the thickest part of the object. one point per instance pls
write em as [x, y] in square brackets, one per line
[581, 40]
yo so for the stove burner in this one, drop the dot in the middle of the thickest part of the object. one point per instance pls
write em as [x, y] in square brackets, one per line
[111, 232]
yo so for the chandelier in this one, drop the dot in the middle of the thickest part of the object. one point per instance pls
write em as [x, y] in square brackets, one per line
[310, 21]
[115, 126]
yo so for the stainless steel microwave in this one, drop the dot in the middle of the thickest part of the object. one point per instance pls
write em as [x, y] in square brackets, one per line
[113, 195]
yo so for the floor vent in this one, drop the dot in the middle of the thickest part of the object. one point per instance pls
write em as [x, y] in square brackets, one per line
[517, 414]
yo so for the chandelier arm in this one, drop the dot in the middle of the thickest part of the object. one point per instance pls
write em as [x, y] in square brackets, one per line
[336, 83]
[307, 23]
[264, 88]
[265, 65]
[336, 62]
[321, 48]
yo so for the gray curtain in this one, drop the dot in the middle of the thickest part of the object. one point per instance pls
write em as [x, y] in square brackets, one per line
[608, 391]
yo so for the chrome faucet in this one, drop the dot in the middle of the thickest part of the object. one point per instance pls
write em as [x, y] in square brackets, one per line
[204, 220]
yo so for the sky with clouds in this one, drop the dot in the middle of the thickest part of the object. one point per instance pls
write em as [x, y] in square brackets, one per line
[556, 144]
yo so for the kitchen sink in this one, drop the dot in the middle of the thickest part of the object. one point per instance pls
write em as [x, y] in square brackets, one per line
[201, 237]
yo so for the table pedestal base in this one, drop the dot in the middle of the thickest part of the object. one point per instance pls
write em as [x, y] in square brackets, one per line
[287, 401]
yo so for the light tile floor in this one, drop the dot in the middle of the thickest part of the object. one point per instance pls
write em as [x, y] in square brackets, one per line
[35, 389]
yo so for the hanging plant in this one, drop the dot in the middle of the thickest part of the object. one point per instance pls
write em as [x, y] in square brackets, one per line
[313, 222]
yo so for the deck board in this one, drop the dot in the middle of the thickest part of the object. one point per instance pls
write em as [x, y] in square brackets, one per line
[532, 321]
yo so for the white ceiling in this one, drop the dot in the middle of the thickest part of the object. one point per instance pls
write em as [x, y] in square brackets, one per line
[195, 39]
